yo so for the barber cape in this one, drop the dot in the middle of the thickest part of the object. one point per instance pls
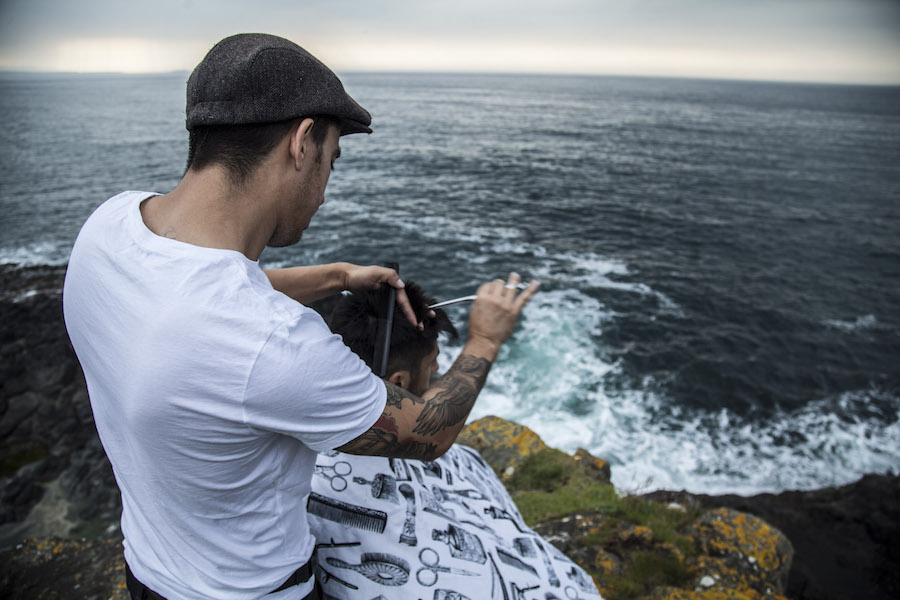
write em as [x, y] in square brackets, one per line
[444, 529]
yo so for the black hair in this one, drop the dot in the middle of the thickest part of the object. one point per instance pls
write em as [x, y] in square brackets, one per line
[355, 318]
[241, 148]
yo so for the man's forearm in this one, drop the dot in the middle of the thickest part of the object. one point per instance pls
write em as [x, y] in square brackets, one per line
[444, 408]
[450, 400]
[440, 414]
[307, 284]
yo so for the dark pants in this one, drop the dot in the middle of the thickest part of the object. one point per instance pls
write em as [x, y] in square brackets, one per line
[139, 591]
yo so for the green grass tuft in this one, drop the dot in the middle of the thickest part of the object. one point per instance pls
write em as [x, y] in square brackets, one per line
[643, 572]
[550, 485]
[545, 470]
[574, 497]
[662, 520]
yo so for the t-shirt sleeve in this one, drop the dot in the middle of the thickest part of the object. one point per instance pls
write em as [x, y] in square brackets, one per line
[308, 384]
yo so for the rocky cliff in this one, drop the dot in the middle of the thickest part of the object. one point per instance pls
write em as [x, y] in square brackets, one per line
[59, 504]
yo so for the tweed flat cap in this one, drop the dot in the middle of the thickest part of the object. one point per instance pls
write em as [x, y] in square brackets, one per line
[260, 78]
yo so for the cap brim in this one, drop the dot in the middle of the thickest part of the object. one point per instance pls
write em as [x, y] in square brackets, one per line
[349, 126]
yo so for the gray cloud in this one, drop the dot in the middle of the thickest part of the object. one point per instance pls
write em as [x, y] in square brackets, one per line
[854, 27]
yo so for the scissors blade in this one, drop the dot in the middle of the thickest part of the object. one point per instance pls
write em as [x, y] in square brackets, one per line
[471, 298]
[454, 301]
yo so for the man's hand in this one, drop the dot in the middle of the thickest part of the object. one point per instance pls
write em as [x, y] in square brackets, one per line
[359, 279]
[307, 284]
[424, 428]
[495, 313]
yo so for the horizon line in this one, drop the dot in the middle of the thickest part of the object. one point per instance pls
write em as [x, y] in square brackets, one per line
[497, 73]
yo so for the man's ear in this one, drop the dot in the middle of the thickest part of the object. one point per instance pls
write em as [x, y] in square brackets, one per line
[401, 378]
[301, 144]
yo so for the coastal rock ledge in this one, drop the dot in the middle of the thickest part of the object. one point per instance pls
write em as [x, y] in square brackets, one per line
[633, 547]
[59, 504]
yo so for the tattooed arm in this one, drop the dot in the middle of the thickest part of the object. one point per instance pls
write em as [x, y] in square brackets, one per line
[426, 427]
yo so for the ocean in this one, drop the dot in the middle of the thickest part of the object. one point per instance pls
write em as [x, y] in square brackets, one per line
[719, 260]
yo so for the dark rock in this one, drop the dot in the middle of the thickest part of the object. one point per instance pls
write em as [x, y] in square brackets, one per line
[740, 551]
[82, 404]
[16, 281]
[568, 534]
[19, 409]
[43, 399]
[57, 568]
[845, 538]
[89, 484]
[595, 468]
[503, 444]
[18, 496]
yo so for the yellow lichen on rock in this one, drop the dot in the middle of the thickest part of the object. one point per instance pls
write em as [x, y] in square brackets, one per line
[715, 574]
[596, 468]
[673, 593]
[741, 552]
[503, 444]
[636, 534]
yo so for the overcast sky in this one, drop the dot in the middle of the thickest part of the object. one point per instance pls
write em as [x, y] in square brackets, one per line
[800, 40]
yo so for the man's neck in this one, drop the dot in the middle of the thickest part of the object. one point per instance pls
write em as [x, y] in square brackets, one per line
[206, 209]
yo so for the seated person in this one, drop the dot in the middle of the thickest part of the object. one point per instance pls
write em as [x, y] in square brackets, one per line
[402, 528]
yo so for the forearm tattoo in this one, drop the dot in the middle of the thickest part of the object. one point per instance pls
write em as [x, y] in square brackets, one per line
[455, 395]
[381, 440]
[458, 389]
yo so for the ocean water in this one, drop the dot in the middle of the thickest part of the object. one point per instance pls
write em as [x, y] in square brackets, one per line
[720, 261]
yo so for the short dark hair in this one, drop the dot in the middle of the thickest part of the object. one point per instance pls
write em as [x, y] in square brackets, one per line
[241, 148]
[355, 318]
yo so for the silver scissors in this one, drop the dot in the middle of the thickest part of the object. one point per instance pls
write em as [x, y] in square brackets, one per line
[471, 298]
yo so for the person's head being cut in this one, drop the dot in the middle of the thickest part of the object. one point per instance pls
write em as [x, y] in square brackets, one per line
[412, 358]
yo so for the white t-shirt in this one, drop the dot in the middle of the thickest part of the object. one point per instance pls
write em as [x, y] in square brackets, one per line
[212, 393]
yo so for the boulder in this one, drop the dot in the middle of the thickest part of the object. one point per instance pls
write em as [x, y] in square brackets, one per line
[739, 552]
[503, 444]
[673, 593]
[595, 468]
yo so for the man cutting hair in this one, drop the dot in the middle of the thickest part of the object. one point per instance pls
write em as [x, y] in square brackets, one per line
[212, 385]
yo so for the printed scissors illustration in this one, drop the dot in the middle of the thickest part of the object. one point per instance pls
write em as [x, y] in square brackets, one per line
[572, 593]
[433, 566]
[335, 474]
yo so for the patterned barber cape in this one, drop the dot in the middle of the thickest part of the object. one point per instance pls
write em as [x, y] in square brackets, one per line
[447, 529]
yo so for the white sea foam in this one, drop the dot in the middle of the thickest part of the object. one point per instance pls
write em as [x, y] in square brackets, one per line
[552, 377]
[862, 322]
[719, 453]
[434, 227]
[582, 270]
[817, 446]
[38, 253]
[594, 270]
